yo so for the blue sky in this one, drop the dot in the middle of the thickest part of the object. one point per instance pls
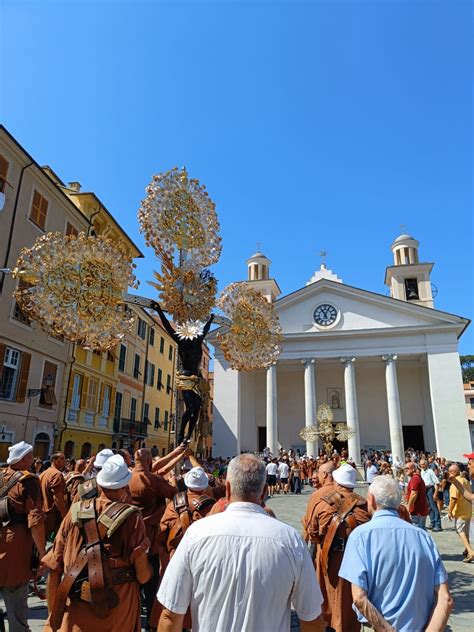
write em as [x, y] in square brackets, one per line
[314, 125]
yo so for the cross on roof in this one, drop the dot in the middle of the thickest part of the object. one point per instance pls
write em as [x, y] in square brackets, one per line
[259, 246]
[403, 228]
[323, 254]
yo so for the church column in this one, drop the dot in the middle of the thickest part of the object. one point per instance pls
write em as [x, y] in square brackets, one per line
[272, 410]
[310, 403]
[351, 408]
[394, 414]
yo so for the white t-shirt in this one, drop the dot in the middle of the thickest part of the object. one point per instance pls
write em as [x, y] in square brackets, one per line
[272, 469]
[241, 571]
[284, 470]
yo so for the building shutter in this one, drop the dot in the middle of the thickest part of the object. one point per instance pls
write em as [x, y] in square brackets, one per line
[85, 389]
[70, 387]
[2, 355]
[101, 398]
[23, 377]
[112, 402]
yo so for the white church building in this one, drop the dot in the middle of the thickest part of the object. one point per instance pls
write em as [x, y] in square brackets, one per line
[387, 365]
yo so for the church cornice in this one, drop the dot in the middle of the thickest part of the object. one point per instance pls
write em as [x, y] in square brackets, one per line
[431, 314]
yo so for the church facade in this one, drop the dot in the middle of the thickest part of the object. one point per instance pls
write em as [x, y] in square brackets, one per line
[388, 366]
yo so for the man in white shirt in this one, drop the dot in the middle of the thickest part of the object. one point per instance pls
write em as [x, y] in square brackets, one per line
[431, 483]
[272, 469]
[284, 470]
[371, 471]
[241, 570]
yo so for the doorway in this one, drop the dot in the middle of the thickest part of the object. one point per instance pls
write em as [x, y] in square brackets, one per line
[412, 438]
[262, 438]
[41, 447]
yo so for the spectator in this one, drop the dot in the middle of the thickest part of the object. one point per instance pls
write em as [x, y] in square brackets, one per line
[417, 504]
[461, 510]
[431, 483]
[371, 471]
[272, 468]
[397, 576]
[240, 570]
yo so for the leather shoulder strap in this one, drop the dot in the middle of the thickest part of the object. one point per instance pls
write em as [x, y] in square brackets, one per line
[346, 506]
[198, 504]
[57, 611]
[114, 516]
[11, 483]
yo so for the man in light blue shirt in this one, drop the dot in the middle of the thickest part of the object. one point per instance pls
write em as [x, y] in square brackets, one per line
[397, 576]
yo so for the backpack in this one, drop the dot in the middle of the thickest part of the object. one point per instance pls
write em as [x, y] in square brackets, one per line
[187, 514]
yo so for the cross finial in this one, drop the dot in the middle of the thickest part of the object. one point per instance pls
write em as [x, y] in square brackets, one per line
[403, 228]
[323, 254]
[259, 246]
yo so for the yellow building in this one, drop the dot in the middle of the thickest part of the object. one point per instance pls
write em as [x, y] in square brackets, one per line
[92, 379]
[32, 363]
[160, 374]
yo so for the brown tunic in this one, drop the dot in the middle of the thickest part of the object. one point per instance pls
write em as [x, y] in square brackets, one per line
[148, 492]
[16, 541]
[123, 547]
[53, 489]
[337, 606]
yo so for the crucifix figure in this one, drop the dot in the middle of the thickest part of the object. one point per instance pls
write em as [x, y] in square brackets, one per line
[189, 380]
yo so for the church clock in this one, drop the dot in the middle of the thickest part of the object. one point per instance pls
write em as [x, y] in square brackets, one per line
[325, 315]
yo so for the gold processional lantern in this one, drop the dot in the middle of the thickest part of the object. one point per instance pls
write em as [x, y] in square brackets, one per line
[74, 288]
[326, 429]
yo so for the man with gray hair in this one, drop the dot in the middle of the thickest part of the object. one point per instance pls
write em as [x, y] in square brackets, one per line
[397, 576]
[241, 570]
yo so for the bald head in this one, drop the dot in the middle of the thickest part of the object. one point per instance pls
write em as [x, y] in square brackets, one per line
[80, 465]
[325, 473]
[454, 470]
[143, 456]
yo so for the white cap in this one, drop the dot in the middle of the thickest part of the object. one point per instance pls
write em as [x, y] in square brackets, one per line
[18, 451]
[102, 457]
[114, 474]
[345, 476]
[196, 478]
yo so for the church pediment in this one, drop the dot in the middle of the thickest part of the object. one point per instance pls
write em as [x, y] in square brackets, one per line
[327, 306]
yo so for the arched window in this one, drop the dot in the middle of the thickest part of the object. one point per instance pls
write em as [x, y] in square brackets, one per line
[114, 445]
[86, 450]
[100, 447]
[69, 449]
[41, 446]
[335, 400]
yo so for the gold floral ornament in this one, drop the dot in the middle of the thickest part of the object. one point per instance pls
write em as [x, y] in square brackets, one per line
[188, 294]
[74, 288]
[178, 216]
[252, 340]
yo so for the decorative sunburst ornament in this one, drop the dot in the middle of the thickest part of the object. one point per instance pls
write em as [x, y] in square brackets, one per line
[190, 329]
[177, 217]
[253, 338]
[75, 286]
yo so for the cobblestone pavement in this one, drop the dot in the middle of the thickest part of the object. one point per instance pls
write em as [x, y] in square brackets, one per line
[291, 508]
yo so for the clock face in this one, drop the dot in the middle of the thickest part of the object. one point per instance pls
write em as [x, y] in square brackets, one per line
[325, 315]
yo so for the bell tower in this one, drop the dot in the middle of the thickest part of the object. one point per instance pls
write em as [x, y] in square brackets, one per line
[408, 279]
[258, 276]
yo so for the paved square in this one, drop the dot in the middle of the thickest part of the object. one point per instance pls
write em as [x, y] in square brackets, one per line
[291, 508]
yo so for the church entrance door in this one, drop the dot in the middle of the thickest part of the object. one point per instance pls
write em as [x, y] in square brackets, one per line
[413, 438]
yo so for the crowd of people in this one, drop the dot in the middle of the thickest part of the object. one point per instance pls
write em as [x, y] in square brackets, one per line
[192, 544]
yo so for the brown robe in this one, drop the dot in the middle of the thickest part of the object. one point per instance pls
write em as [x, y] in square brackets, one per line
[53, 489]
[123, 547]
[16, 541]
[170, 517]
[337, 593]
[148, 492]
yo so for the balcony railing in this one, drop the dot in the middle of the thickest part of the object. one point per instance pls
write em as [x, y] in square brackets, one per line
[130, 428]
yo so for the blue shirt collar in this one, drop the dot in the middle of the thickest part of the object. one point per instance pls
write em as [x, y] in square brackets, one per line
[385, 512]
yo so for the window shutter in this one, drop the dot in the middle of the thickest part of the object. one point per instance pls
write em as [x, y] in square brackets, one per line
[2, 355]
[70, 388]
[85, 389]
[23, 377]
[112, 402]
[101, 398]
